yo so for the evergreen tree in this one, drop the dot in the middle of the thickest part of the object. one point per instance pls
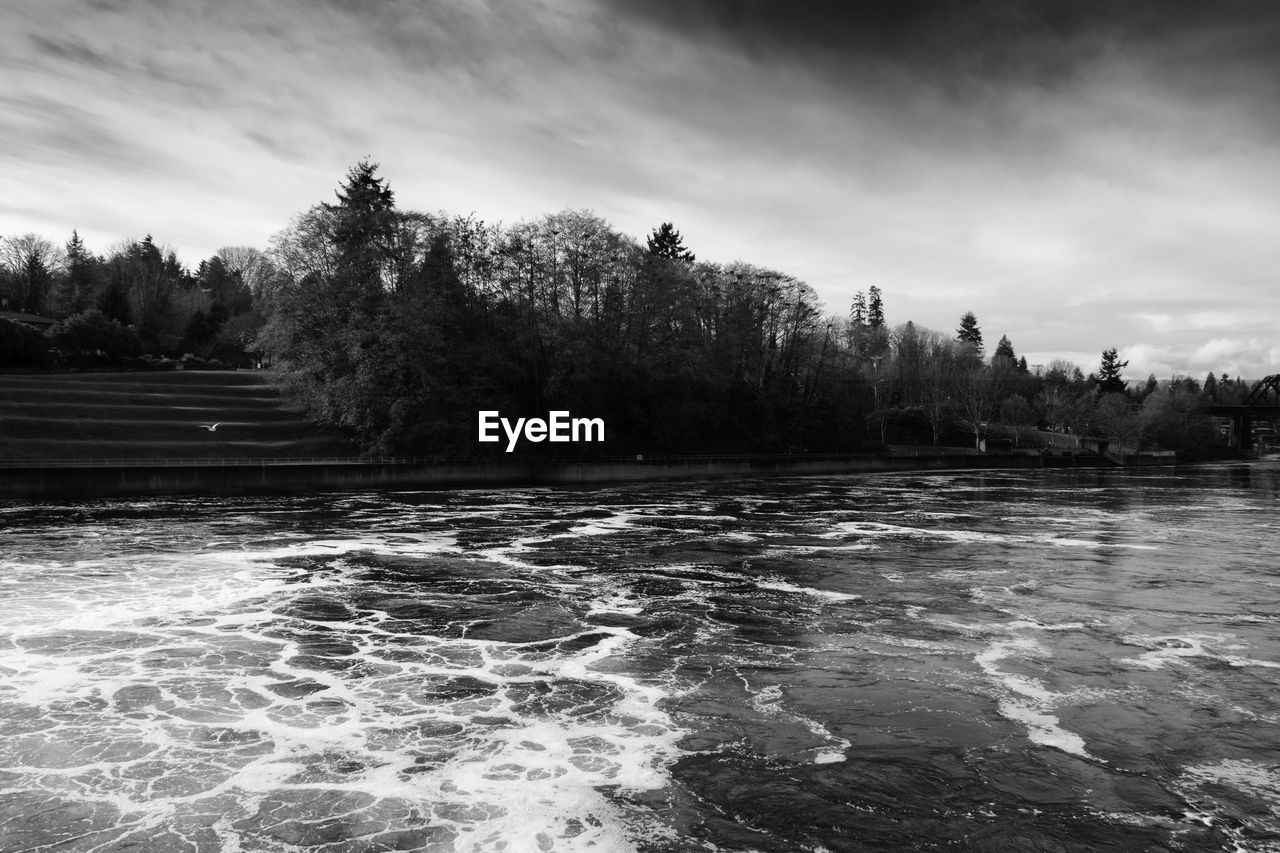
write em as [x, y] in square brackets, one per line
[78, 292]
[1005, 350]
[1109, 379]
[1022, 364]
[858, 313]
[969, 333]
[1211, 387]
[875, 309]
[364, 221]
[666, 242]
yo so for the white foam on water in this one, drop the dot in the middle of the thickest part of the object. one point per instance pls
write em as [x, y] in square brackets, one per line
[150, 586]
[691, 516]
[1064, 542]
[1027, 700]
[881, 529]
[507, 555]
[1037, 519]
[1260, 780]
[1196, 783]
[1253, 619]
[1040, 626]
[797, 550]
[198, 637]
[932, 515]
[520, 779]
[392, 543]
[1169, 649]
[934, 646]
[1244, 662]
[874, 529]
[768, 702]
[966, 574]
[600, 527]
[617, 603]
[1178, 648]
[783, 586]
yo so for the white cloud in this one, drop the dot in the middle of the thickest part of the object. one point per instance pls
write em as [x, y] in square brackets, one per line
[1250, 358]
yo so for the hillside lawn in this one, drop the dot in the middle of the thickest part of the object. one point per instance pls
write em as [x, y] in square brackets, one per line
[157, 415]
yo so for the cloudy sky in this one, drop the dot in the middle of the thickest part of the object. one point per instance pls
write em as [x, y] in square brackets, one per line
[1079, 173]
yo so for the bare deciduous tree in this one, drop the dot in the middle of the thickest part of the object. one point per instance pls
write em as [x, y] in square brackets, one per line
[30, 263]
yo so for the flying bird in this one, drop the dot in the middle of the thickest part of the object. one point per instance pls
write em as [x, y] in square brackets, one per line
[210, 427]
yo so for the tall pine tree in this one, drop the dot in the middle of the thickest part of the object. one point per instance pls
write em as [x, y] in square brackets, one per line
[79, 289]
[1109, 379]
[666, 242]
[1004, 351]
[875, 309]
[969, 333]
[858, 312]
[362, 233]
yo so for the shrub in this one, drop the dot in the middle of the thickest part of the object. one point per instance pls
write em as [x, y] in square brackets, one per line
[22, 346]
[91, 334]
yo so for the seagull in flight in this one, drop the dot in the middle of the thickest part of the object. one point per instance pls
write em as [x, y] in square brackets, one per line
[210, 427]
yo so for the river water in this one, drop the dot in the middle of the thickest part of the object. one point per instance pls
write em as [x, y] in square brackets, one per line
[1041, 660]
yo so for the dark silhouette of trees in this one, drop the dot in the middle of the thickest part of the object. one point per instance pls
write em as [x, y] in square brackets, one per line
[1108, 379]
[1210, 387]
[875, 308]
[1151, 386]
[78, 288]
[969, 333]
[92, 335]
[1004, 351]
[560, 313]
[151, 280]
[114, 303]
[401, 325]
[858, 310]
[29, 263]
[1117, 419]
[666, 242]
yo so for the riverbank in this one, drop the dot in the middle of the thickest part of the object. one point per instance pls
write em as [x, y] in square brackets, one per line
[231, 477]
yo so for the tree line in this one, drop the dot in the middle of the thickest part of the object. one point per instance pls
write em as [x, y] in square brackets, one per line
[401, 325]
[135, 300]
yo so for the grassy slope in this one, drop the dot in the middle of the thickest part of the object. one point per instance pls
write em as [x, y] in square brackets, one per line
[155, 415]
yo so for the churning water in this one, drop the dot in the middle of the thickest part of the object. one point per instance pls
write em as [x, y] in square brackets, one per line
[1048, 660]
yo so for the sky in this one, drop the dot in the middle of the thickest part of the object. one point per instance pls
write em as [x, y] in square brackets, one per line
[1080, 174]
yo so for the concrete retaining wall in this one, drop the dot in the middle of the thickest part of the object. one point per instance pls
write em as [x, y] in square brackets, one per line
[142, 481]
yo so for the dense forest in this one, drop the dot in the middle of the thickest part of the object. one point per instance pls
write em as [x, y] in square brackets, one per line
[401, 325]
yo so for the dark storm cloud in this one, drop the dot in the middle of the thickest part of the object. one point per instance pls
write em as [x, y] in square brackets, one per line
[78, 53]
[994, 38]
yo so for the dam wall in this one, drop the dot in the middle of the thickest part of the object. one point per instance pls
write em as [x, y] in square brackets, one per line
[144, 479]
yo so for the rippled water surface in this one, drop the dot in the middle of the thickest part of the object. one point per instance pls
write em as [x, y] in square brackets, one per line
[1048, 660]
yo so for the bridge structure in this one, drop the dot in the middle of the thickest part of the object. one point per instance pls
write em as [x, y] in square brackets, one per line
[1262, 404]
